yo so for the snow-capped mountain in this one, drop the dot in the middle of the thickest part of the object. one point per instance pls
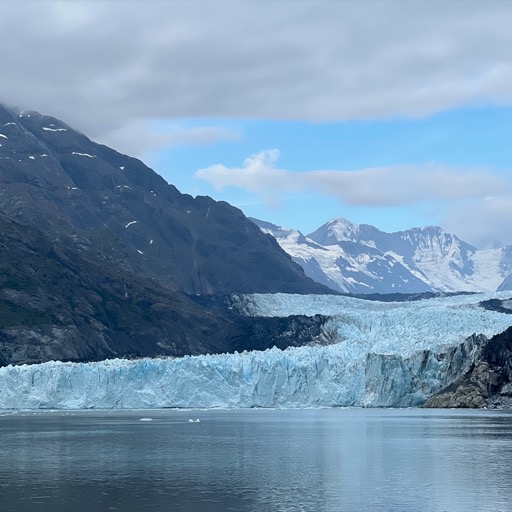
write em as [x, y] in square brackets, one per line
[360, 258]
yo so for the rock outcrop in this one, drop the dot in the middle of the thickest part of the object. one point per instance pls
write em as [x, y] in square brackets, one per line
[488, 383]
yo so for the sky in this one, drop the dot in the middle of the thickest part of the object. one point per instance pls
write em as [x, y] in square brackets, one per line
[391, 113]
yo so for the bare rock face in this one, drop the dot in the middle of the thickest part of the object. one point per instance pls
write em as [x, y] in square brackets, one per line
[57, 304]
[488, 383]
[470, 392]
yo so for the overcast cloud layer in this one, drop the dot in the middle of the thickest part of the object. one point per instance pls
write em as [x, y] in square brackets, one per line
[110, 68]
[104, 65]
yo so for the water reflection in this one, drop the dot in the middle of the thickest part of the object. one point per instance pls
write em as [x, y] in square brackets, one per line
[257, 460]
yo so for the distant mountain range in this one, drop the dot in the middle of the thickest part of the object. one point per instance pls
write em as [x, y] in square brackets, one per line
[359, 258]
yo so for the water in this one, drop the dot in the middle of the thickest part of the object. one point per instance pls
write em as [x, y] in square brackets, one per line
[344, 460]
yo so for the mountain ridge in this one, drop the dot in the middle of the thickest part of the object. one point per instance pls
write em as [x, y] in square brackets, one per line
[359, 258]
[90, 195]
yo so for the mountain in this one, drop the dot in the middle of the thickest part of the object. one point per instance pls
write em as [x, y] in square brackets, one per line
[57, 303]
[359, 258]
[99, 201]
[101, 258]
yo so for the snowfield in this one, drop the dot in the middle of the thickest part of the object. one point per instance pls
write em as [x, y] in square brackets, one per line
[381, 354]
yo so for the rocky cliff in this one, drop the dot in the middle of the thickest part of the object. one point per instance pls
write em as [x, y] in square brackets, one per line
[487, 383]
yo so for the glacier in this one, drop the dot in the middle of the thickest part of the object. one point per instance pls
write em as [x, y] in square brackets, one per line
[374, 354]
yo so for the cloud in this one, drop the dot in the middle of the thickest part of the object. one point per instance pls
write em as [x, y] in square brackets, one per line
[258, 174]
[482, 222]
[475, 204]
[102, 66]
[136, 138]
[372, 187]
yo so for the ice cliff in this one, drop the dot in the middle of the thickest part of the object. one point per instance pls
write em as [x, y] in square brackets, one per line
[381, 355]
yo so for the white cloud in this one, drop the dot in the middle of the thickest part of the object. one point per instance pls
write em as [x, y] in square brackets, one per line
[374, 187]
[137, 138]
[482, 222]
[475, 204]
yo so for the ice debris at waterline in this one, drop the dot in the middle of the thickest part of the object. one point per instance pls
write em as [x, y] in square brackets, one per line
[385, 355]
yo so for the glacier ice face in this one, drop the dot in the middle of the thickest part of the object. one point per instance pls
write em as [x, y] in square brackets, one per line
[386, 354]
[388, 327]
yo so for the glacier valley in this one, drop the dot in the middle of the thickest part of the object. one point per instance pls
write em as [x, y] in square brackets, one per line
[371, 354]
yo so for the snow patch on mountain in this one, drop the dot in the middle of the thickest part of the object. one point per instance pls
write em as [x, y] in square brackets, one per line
[83, 154]
[49, 129]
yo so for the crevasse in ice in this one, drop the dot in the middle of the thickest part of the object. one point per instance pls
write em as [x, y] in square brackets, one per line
[384, 355]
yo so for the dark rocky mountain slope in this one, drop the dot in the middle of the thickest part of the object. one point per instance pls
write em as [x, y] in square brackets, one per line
[97, 200]
[99, 256]
[56, 304]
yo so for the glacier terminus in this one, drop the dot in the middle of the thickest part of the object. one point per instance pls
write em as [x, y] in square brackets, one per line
[371, 354]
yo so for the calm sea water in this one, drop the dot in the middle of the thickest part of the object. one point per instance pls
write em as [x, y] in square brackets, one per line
[256, 460]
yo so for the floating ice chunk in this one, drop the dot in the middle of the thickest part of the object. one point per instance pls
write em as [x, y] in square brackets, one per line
[121, 167]
[32, 157]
